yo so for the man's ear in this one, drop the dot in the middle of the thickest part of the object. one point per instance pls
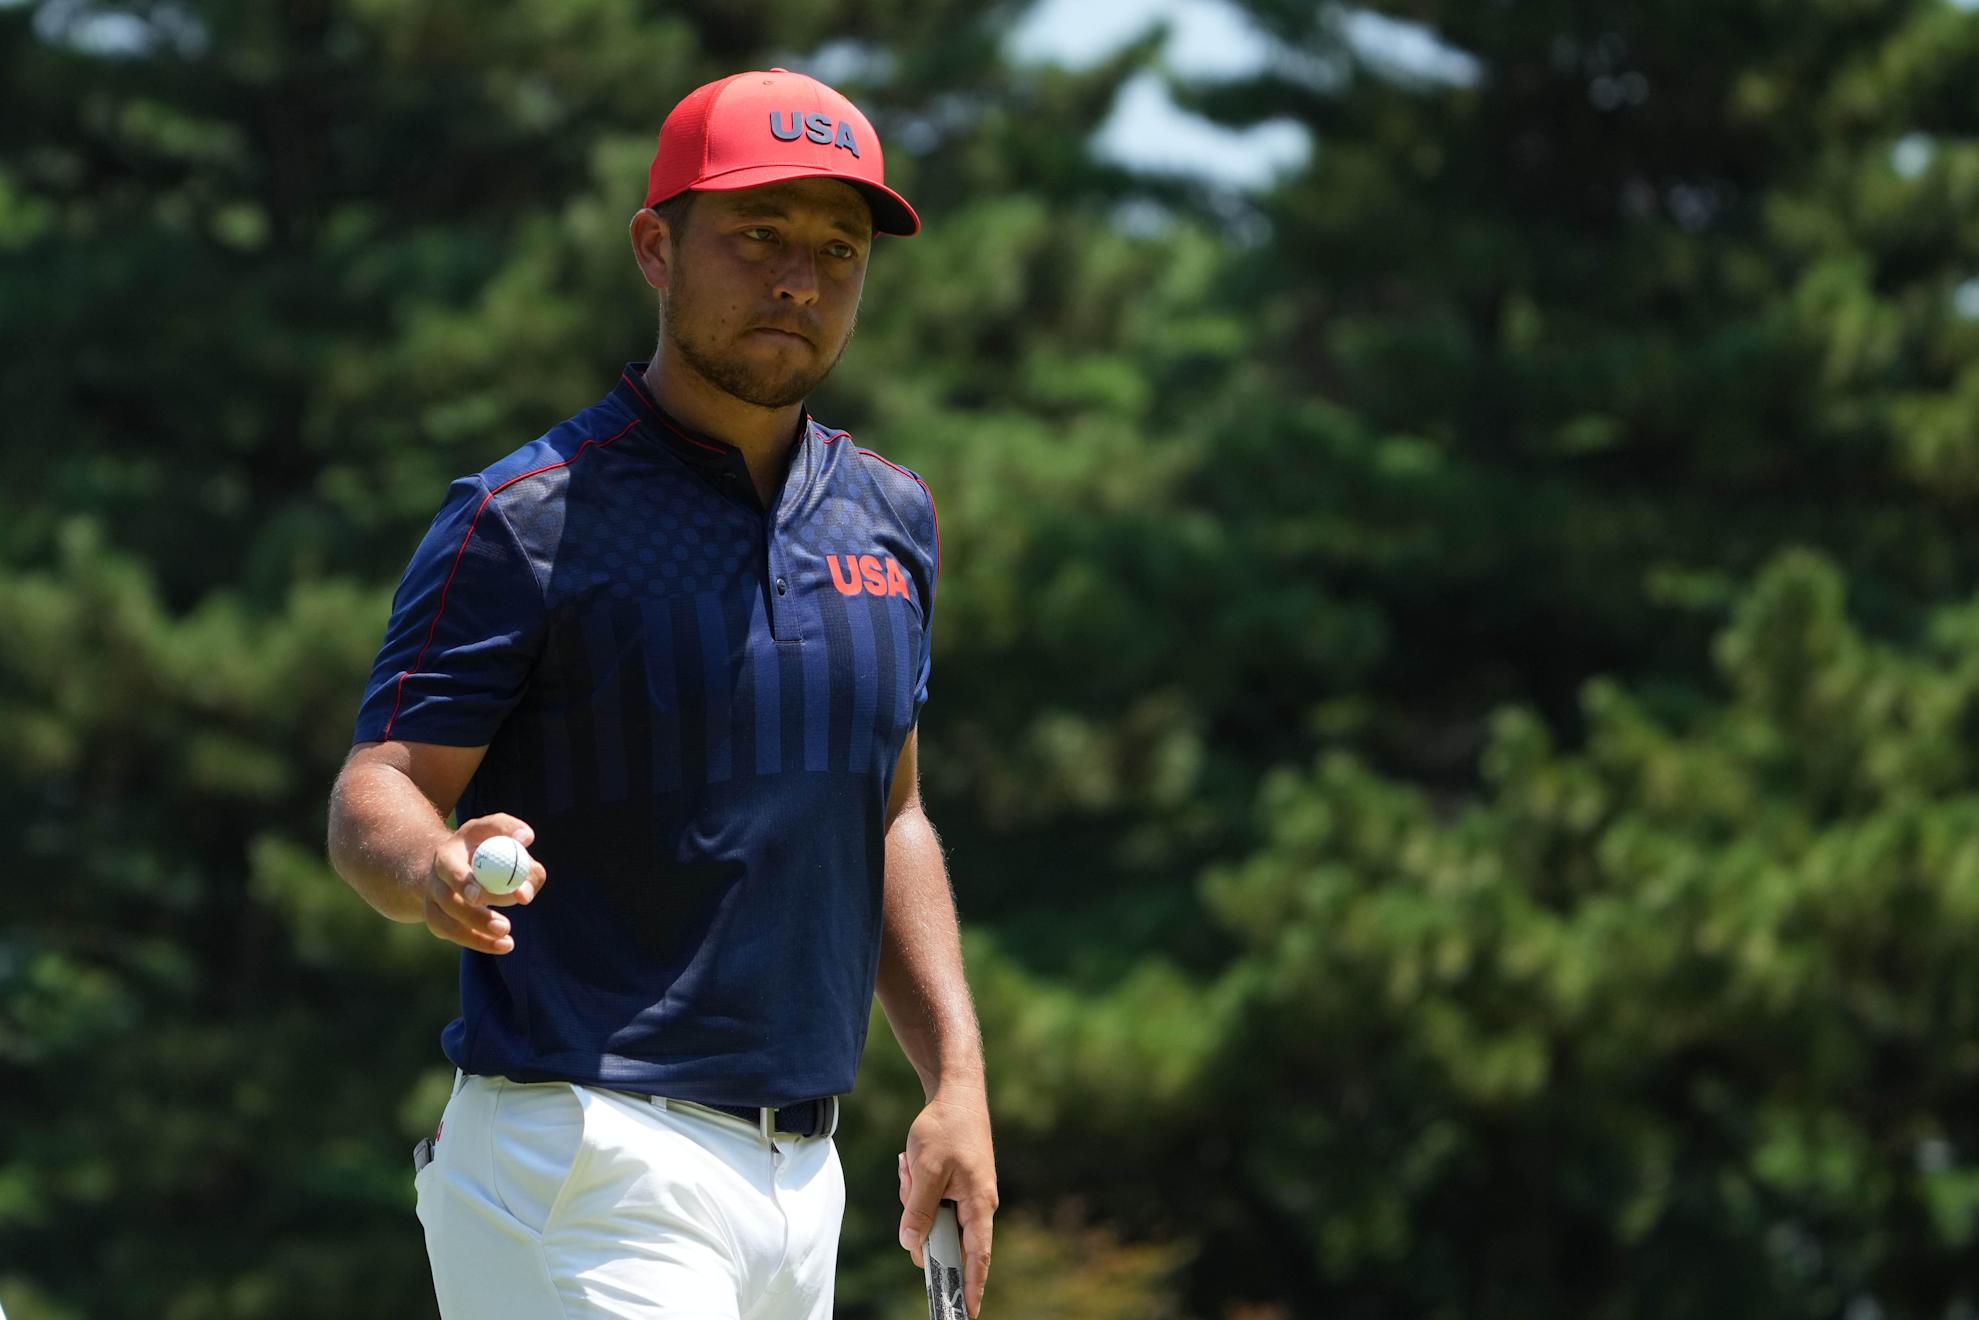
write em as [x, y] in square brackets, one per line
[652, 246]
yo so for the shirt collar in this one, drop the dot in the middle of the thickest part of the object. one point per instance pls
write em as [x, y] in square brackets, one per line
[696, 447]
[701, 450]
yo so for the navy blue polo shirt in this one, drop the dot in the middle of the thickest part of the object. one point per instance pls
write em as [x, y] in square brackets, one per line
[698, 704]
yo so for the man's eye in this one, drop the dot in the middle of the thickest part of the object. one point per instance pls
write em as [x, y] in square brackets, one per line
[763, 232]
[843, 251]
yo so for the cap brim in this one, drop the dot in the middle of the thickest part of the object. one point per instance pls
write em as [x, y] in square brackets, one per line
[891, 213]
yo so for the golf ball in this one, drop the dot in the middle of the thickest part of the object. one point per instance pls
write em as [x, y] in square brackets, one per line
[500, 865]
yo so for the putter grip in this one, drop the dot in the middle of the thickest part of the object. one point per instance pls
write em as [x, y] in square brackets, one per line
[943, 1254]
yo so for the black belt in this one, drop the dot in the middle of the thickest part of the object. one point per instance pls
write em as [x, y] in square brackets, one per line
[806, 1118]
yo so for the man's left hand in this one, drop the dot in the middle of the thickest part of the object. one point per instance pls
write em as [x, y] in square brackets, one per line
[949, 1157]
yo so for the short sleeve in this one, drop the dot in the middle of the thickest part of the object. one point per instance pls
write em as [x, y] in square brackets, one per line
[467, 623]
[932, 544]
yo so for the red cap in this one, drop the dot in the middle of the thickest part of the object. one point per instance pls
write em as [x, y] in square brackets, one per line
[766, 126]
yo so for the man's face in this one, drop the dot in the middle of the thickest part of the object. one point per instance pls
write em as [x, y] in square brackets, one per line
[763, 288]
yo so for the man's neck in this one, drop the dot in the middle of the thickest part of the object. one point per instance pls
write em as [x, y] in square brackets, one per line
[764, 435]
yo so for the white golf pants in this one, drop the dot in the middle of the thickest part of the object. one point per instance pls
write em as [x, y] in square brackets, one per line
[549, 1201]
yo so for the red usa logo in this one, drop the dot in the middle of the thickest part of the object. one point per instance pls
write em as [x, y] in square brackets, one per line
[876, 575]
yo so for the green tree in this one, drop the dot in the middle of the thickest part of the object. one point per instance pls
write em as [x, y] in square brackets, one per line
[1630, 299]
[1679, 1023]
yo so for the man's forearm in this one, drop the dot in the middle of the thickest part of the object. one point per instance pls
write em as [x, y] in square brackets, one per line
[921, 984]
[383, 834]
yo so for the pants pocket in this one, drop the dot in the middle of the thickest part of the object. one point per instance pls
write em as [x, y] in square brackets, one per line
[426, 1154]
[420, 1179]
[535, 1136]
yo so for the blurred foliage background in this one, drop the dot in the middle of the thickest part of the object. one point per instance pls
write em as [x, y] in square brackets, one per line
[1457, 680]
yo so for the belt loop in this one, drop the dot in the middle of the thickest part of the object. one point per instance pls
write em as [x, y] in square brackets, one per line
[660, 1103]
[766, 1120]
[460, 1079]
[832, 1131]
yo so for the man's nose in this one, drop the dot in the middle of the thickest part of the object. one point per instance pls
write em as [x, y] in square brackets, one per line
[797, 276]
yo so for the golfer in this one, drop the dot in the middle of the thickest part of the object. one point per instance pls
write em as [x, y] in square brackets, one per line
[678, 646]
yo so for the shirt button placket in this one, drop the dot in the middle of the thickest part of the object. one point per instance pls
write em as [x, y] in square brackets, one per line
[773, 560]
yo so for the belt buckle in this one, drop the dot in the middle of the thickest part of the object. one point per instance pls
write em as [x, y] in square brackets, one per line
[827, 1125]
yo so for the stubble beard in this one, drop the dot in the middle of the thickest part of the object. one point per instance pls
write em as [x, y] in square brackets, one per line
[764, 388]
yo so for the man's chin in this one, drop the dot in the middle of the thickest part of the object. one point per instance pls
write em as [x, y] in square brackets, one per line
[771, 391]
[768, 389]
[760, 387]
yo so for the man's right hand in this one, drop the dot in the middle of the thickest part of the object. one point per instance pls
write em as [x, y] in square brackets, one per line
[457, 909]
